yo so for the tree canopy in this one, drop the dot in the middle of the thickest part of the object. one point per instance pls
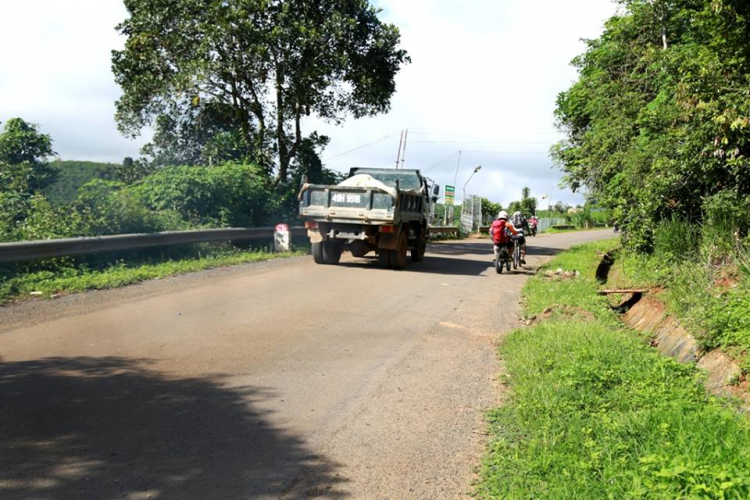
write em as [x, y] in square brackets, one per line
[265, 63]
[658, 123]
[23, 157]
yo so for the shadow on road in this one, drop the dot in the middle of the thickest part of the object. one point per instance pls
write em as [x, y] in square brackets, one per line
[478, 247]
[109, 428]
[444, 258]
[542, 251]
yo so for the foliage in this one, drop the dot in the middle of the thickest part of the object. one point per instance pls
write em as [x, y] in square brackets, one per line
[527, 204]
[132, 171]
[228, 195]
[267, 64]
[596, 413]
[23, 153]
[658, 121]
[711, 300]
[677, 240]
[490, 210]
[205, 134]
[71, 175]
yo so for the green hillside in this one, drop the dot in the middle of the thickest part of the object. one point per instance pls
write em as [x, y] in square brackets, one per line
[72, 174]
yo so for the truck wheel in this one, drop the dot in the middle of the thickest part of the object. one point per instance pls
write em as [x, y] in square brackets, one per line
[420, 247]
[317, 253]
[331, 252]
[398, 256]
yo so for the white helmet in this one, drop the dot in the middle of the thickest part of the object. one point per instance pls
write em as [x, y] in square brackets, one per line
[517, 214]
[503, 215]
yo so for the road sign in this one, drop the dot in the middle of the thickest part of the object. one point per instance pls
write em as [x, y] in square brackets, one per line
[450, 191]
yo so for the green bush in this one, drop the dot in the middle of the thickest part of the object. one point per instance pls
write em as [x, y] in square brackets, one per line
[727, 220]
[226, 195]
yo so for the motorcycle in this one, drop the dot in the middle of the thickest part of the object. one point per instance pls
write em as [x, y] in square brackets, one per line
[502, 259]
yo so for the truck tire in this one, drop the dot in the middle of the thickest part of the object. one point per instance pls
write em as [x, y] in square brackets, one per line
[398, 256]
[331, 252]
[384, 258]
[317, 253]
[420, 247]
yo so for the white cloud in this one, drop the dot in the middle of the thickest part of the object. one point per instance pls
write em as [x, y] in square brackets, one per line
[484, 77]
[55, 71]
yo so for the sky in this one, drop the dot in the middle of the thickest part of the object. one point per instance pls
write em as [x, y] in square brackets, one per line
[483, 80]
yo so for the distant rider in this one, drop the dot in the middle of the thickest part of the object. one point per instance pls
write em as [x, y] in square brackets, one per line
[533, 223]
[500, 232]
[520, 222]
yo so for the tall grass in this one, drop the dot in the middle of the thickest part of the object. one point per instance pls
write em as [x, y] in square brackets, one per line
[677, 239]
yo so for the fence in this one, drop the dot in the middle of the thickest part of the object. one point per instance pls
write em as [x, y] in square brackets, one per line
[70, 247]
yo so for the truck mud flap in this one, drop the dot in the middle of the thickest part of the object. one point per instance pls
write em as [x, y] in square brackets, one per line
[388, 241]
[314, 235]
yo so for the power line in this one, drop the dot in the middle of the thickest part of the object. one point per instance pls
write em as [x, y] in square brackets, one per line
[506, 152]
[345, 153]
[442, 161]
[483, 142]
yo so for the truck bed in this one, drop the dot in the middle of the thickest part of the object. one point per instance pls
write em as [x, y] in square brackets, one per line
[341, 204]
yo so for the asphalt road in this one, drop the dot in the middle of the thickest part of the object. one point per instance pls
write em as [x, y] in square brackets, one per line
[276, 380]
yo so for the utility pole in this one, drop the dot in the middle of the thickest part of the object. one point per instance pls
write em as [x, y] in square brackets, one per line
[403, 151]
[455, 178]
[398, 155]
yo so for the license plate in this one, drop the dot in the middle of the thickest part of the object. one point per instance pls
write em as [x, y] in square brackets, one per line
[349, 199]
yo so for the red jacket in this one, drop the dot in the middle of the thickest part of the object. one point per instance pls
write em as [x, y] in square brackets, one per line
[497, 230]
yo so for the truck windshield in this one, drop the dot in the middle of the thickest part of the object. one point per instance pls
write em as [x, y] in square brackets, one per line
[407, 180]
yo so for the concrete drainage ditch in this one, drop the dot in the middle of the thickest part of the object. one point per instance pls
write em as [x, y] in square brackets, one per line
[646, 313]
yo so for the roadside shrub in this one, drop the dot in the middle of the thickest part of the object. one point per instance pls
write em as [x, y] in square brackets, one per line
[729, 318]
[727, 221]
[106, 207]
[226, 195]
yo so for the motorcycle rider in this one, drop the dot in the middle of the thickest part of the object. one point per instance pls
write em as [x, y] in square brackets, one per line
[520, 222]
[533, 223]
[500, 230]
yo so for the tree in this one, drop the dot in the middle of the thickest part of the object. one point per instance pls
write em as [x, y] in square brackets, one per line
[490, 210]
[561, 208]
[23, 155]
[659, 120]
[528, 204]
[270, 63]
[132, 171]
[204, 134]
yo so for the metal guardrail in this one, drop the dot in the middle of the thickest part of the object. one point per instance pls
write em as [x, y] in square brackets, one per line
[70, 247]
[444, 229]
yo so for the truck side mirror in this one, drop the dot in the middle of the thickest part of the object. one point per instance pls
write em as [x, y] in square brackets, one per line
[436, 190]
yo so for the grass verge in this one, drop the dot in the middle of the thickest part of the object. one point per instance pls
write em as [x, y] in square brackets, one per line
[596, 413]
[65, 276]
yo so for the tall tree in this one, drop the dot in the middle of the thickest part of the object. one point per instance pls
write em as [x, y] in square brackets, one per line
[272, 62]
[23, 157]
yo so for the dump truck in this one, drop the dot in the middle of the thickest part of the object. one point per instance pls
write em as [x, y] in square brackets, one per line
[380, 210]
